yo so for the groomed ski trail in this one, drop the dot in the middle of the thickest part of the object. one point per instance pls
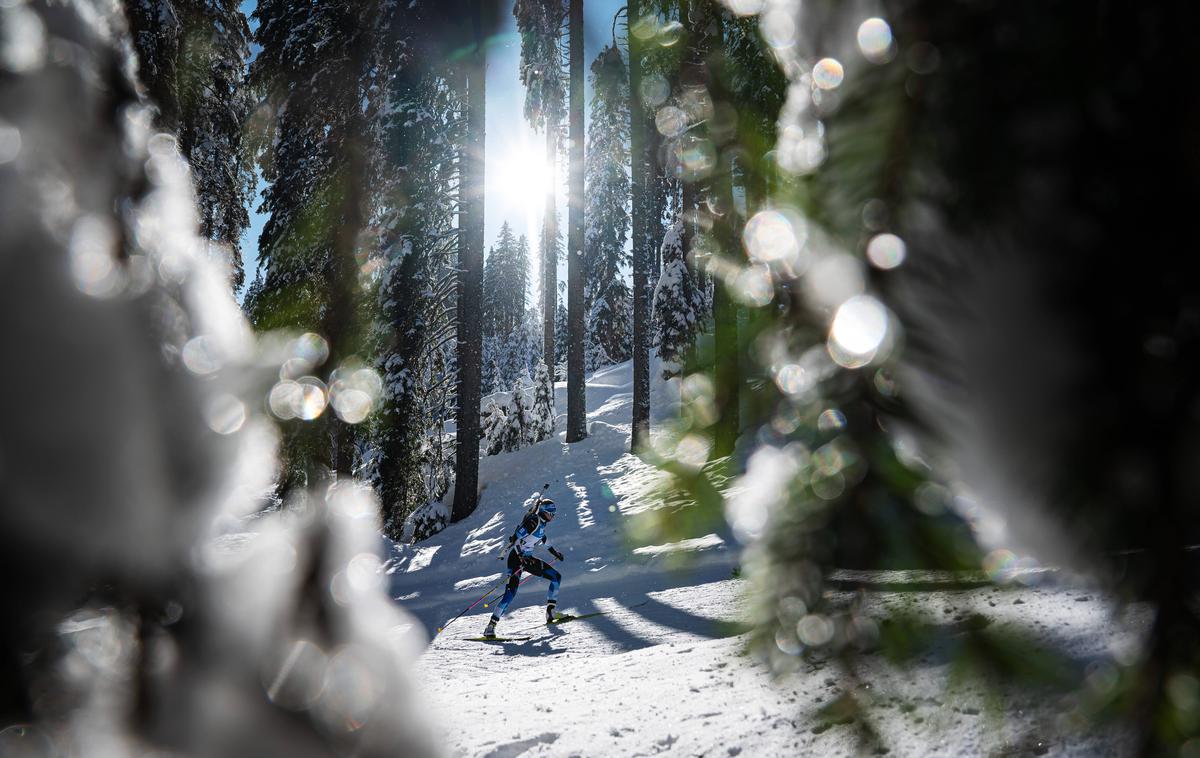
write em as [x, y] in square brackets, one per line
[662, 668]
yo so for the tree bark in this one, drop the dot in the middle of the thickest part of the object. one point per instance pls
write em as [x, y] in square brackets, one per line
[470, 281]
[342, 275]
[576, 392]
[549, 251]
[642, 248]
[701, 27]
[339, 320]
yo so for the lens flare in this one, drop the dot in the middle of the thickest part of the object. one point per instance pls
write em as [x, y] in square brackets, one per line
[773, 236]
[311, 348]
[225, 414]
[311, 398]
[875, 40]
[670, 34]
[754, 286]
[831, 420]
[655, 90]
[886, 251]
[93, 257]
[356, 395]
[859, 330]
[745, 7]
[201, 355]
[828, 74]
[670, 121]
[284, 399]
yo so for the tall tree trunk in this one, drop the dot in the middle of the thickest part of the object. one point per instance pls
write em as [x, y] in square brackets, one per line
[703, 33]
[643, 245]
[550, 251]
[339, 326]
[470, 282]
[339, 320]
[576, 393]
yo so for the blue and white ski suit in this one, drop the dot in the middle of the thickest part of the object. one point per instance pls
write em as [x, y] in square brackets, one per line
[530, 534]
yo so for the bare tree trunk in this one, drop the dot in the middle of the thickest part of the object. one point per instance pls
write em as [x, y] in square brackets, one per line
[339, 326]
[702, 26]
[470, 282]
[339, 320]
[643, 245]
[576, 392]
[550, 251]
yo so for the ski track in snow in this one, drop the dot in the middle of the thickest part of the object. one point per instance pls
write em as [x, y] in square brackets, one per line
[664, 668]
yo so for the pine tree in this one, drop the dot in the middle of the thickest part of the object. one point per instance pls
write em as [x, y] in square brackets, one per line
[324, 71]
[607, 214]
[505, 280]
[414, 309]
[192, 57]
[560, 349]
[595, 356]
[542, 425]
[507, 340]
[490, 305]
[494, 428]
[513, 283]
[678, 304]
[490, 380]
[519, 421]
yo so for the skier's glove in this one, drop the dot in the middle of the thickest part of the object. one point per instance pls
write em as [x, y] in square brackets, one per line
[555, 553]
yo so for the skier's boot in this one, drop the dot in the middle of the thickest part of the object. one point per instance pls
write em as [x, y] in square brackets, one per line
[490, 629]
[550, 612]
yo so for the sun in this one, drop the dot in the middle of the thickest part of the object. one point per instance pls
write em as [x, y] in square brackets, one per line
[519, 178]
[521, 170]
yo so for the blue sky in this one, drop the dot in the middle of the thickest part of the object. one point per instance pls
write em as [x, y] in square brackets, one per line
[510, 141]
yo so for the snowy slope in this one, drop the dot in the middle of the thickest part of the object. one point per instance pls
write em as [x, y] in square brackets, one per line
[663, 669]
[597, 486]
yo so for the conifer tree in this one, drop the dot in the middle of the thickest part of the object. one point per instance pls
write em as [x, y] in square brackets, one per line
[489, 305]
[490, 380]
[518, 420]
[494, 427]
[678, 304]
[192, 57]
[607, 213]
[505, 280]
[560, 346]
[595, 356]
[513, 283]
[323, 71]
[414, 309]
[542, 426]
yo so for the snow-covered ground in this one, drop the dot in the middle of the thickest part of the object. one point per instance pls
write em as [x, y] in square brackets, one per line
[663, 668]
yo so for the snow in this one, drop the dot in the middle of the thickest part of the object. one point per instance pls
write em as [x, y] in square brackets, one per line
[664, 668]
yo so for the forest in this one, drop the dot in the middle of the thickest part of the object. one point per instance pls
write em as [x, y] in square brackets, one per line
[847, 349]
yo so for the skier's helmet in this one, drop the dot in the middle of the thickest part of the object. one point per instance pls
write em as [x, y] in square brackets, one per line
[546, 509]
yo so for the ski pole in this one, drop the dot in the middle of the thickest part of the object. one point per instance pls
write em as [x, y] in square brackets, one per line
[472, 605]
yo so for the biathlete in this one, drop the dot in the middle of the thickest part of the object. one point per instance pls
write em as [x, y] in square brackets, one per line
[530, 534]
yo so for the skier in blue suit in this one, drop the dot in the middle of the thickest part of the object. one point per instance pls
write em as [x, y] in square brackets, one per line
[530, 534]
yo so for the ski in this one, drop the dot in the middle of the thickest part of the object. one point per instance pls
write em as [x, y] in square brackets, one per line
[496, 639]
[564, 618]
